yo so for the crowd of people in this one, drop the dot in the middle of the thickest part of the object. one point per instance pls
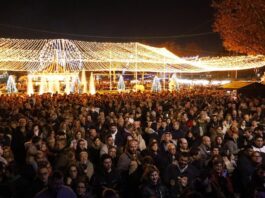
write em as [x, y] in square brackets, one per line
[196, 142]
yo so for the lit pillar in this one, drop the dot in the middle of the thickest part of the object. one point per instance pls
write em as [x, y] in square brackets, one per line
[83, 81]
[30, 86]
[57, 85]
[50, 85]
[92, 89]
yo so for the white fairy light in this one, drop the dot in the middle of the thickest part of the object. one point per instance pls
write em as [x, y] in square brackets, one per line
[72, 55]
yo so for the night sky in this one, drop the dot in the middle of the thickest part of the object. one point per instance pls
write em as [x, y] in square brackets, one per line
[113, 20]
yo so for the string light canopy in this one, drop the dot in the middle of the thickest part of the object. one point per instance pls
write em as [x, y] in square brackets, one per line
[62, 54]
[73, 56]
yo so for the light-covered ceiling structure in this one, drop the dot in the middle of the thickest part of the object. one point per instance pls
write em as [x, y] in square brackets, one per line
[73, 55]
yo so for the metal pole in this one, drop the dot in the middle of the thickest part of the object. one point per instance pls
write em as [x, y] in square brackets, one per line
[164, 77]
[136, 67]
[114, 76]
[110, 65]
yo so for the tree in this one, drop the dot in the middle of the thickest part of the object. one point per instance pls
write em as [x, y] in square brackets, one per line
[241, 25]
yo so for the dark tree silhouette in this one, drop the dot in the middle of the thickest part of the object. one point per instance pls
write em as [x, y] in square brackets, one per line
[241, 25]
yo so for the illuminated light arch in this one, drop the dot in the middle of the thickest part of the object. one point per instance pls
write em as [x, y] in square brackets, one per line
[62, 54]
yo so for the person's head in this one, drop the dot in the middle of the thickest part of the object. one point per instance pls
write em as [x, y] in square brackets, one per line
[53, 116]
[89, 118]
[219, 130]
[78, 135]
[183, 160]
[203, 115]
[167, 137]
[261, 173]
[248, 150]
[171, 148]
[256, 157]
[218, 166]
[247, 133]
[112, 151]
[129, 127]
[55, 181]
[195, 154]
[147, 161]
[183, 143]
[109, 140]
[113, 128]
[233, 132]
[151, 174]
[13, 124]
[97, 143]
[154, 146]
[51, 142]
[215, 151]
[81, 144]
[36, 129]
[43, 173]
[219, 140]
[132, 146]
[109, 193]
[154, 176]
[259, 141]
[228, 117]
[73, 171]
[243, 124]
[246, 117]
[206, 141]
[164, 124]
[83, 156]
[22, 122]
[254, 124]
[8, 154]
[60, 143]
[81, 186]
[44, 147]
[77, 123]
[214, 118]
[106, 162]
[92, 133]
[120, 121]
[183, 180]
